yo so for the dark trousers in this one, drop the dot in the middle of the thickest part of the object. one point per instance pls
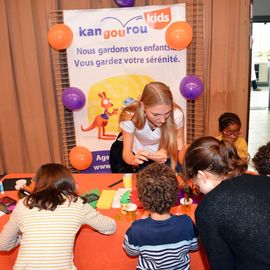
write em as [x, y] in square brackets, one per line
[254, 84]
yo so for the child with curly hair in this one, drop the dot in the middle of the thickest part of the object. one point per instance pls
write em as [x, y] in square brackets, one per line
[162, 240]
[261, 160]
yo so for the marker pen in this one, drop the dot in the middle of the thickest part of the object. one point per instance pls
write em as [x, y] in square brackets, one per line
[2, 188]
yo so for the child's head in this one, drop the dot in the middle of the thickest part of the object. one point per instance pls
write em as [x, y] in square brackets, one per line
[261, 160]
[229, 126]
[54, 183]
[157, 188]
[54, 176]
[208, 161]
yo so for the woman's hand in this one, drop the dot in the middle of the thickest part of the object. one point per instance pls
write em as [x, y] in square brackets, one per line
[160, 156]
[140, 157]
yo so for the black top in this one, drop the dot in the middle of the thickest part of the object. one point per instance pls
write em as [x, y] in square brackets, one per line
[233, 221]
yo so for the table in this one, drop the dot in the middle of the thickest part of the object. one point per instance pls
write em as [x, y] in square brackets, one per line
[96, 251]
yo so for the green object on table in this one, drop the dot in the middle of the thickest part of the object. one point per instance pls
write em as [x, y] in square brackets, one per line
[92, 197]
[125, 198]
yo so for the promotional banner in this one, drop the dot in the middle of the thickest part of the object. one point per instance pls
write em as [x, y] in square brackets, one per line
[113, 55]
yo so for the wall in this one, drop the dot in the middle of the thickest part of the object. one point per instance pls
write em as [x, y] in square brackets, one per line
[227, 60]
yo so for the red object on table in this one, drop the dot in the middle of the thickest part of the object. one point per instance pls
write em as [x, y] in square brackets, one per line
[135, 199]
[94, 250]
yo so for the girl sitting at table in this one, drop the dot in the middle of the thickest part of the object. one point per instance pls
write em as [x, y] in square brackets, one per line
[230, 129]
[46, 222]
[162, 240]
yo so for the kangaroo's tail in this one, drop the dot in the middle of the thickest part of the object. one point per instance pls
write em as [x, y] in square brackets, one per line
[92, 126]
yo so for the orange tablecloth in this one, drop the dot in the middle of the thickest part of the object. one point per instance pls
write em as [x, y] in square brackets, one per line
[96, 251]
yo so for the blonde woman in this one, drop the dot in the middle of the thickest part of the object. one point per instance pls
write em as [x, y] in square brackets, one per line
[152, 129]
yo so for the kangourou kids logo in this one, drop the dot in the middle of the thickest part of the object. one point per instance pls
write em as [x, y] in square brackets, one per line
[114, 54]
[156, 19]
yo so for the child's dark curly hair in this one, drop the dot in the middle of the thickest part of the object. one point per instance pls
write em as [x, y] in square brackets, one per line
[157, 188]
[261, 160]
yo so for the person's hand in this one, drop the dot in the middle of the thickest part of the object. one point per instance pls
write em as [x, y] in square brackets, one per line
[160, 156]
[140, 157]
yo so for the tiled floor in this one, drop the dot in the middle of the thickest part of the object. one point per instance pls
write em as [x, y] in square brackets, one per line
[259, 122]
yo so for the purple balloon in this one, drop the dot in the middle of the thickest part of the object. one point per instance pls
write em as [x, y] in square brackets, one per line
[73, 98]
[125, 3]
[191, 87]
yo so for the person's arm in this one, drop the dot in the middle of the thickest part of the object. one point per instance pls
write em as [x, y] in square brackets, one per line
[10, 235]
[129, 244]
[180, 138]
[194, 242]
[218, 252]
[128, 156]
[97, 221]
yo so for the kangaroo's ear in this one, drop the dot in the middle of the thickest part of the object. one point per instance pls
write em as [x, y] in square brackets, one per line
[102, 95]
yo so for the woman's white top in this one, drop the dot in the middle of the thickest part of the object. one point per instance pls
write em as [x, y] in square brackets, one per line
[146, 138]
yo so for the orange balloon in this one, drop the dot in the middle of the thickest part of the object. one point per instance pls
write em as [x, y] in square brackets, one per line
[178, 35]
[80, 158]
[181, 154]
[60, 36]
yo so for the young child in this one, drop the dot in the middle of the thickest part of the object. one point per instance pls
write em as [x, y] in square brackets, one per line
[162, 241]
[261, 160]
[229, 127]
[46, 222]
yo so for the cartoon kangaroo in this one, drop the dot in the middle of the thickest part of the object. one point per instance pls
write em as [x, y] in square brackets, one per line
[101, 120]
